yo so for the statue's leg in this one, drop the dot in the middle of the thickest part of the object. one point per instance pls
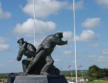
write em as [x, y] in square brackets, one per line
[34, 61]
[49, 63]
[25, 64]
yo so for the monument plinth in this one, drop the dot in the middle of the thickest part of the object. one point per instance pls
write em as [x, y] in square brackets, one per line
[40, 79]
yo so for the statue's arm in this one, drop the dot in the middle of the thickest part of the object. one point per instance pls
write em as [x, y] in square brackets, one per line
[60, 42]
[21, 52]
[39, 49]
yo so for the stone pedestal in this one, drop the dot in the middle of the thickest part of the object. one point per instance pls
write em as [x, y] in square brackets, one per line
[40, 79]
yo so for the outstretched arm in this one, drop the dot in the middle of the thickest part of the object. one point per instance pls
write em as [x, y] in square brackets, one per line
[21, 52]
[60, 42]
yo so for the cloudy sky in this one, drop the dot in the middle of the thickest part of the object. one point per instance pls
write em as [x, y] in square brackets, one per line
[16, 20]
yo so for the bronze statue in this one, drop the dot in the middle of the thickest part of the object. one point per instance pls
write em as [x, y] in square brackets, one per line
[43, 59]
[26, 49]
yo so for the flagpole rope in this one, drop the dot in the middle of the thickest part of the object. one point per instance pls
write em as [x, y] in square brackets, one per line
[34, 16]
[74, 19]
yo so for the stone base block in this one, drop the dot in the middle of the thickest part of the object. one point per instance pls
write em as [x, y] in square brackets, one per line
[40, 79]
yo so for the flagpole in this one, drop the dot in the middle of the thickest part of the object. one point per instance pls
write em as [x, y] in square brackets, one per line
[34, 30]
[74, 19]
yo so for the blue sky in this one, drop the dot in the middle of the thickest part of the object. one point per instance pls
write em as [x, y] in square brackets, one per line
[16, 20]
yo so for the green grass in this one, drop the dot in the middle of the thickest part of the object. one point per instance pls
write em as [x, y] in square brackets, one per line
[104, 80]
[99, 81]
[70, 78]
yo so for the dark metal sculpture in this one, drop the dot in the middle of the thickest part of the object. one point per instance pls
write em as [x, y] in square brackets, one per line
[26, 49]
[42, 63]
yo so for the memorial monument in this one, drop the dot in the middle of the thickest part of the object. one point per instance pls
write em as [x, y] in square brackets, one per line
[39, 67]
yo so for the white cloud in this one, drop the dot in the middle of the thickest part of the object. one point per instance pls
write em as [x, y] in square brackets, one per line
[43, 8]
[103, 2]
[68, 52]
[41, 27]
[91, 23]
[3, 46]
[102, 59]
[4, 14]
[87, 36]
[79, 5]
[98, 59]
[2, 40]
[105, 51]
[12, 60]
[1, 65]
[92, 56]
[94, 45]
[67, 35]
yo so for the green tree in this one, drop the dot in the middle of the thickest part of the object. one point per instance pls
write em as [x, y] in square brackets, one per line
[94, 72]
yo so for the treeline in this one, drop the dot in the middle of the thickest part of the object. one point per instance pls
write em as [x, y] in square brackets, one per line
[3, 76]
[81, 73]
[95, 72]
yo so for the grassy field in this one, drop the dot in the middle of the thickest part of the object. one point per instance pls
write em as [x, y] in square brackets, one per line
[95, 81]
[99, 81]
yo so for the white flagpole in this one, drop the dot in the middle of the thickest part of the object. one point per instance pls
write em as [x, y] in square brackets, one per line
[74, 19]
[34, 30]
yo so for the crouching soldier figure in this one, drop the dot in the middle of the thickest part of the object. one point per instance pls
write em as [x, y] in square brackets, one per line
[27, 50]
[44, 53]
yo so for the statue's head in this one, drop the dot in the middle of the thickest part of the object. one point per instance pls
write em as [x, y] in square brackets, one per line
[59, 34]
[20, 41]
